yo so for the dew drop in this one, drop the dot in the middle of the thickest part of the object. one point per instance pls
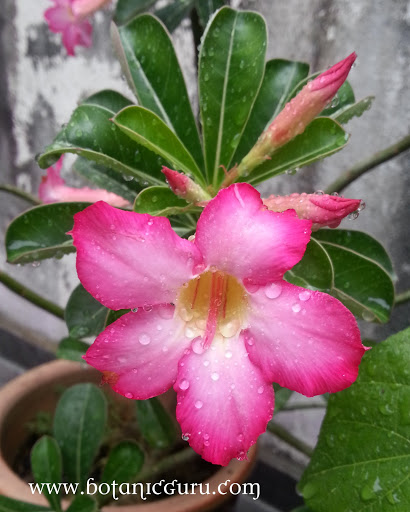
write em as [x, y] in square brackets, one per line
[144, 339]
[129, 395]
[185, 437]
[134, 310]
[228, 354]
[261, 389]
[304, 296]
[197, 346]
[198, 404]
[296, 308]
[184, 384]
[215, 376]
[272, 291]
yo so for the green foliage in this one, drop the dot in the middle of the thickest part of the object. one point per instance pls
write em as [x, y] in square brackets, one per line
[159, 201]
[46, 466]
[84, 315]
[362, 459]
[83, 503]
[72, 349]
[10, 505]
[155, 424]
[124, 463]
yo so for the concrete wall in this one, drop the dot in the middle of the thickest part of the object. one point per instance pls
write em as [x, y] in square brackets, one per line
[40, 87]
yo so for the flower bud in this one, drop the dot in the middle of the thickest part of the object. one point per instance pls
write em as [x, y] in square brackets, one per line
[298, 113]
[184, 187]
[84, 8]
[322, 209]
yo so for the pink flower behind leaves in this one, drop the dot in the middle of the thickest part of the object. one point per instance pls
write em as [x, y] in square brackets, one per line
[213, 317]
[53, 189]
[70, 18]
[322, 209]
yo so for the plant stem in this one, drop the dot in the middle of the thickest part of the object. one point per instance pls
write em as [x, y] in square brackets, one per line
[368, 164]
[31, 296]
[10, 189]
[297, 407]
[184, 456]
[289, 438]
[403, 297]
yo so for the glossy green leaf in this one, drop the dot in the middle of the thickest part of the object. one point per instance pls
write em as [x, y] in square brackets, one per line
[153, 72]
[361, 273]
[156, 425]
[41, 232]
[127, 9]
[148, 129]
[323, 137]
[356, 110]
[159, 201]
[83, 503]
[173, 14]
[362, 459]
[79, 424]
[46, 466]
[10, 505]
[279, 79]
[108, 179]
[282, 395]
[112, 315]
[72, 349]
[231, 67]
[206, 8]
[124, 463]
[314, 271]
[84, 315]
[91, 134]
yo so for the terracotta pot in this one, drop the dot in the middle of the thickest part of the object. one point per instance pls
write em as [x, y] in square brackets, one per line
[37, 390]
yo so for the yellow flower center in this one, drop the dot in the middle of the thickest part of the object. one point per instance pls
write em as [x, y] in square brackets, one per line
[213, 304]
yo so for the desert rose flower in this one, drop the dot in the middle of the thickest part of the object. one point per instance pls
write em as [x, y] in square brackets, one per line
[322, 209]
[70, 18]
[213, 317]
[182, 186]
[297, 114]
[53, 189]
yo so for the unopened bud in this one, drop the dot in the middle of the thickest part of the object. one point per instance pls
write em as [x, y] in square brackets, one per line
[182, 186]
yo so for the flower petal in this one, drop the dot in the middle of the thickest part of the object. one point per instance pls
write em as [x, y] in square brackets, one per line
[224, 402]
[238, 235]
[58, 18]
[140, 352]
[127, 259]
[77, 34]
[303, 340]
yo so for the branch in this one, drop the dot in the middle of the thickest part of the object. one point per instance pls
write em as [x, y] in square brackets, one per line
[368, 164]
[297, 407]
[401, 298]
[31, 296]
[289, 438]
[182, 457]
[15, 191]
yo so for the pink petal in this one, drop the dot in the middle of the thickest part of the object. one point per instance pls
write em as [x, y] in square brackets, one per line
[126, 259]
[303, 340]
[59, 17]
[238, 235]
[140, 352]
[83, 8]
[77, 34]
[224, 402]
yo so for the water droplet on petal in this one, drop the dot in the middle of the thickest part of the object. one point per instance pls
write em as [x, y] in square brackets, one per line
[134, 310]
[185, 437]
[129, 395]
[199, 404]
[296, 308]
[305, 295]
[228, 354]
[184, 384]
[272, 291]
[144, 339]
[215, 376]
[261, 389]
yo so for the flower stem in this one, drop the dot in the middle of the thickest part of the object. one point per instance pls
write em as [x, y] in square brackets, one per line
[289, 438]
[31, 296]
[182, 457]
[15, 191]
[368, 164]
[297, 407]
[403, 297]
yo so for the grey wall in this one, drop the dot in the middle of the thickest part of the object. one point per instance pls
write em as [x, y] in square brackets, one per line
[40, 87]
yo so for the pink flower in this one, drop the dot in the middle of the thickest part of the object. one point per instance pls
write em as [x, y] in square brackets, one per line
[53, 189]
[69, 18]
[322, 209]
[213, 317]
[297, 114]
[182, 186]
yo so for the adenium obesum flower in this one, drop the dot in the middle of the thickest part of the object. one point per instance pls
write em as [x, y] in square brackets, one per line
[184, 187]
[53, 189]
[70, 18]
[213, 317]
[297, 114]
[322, 209]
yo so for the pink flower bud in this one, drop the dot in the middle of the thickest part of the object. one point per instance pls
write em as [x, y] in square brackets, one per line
[322, 209]
[84, 8]
[184, 187]
[298, 113]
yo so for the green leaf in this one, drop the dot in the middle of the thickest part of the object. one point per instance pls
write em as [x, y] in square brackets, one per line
[362, 459]
[156, 425]
[127, 9]
[356, 110]
[323, 137]
[10, 505]
[231, 67]
[280, 78]
[282, 395]
[46, 466]
[124, 463]
[106, 178]
[159, 201]
[84, 315]
[314, 271]
[153, 72]
[91, 134]
[72, 349]
[41, 232]
[361, 273]
[83, 504]
[172, 14]
[148, 129]
[343, 98]
[112, 315]
[206, 8]
[79, 424]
